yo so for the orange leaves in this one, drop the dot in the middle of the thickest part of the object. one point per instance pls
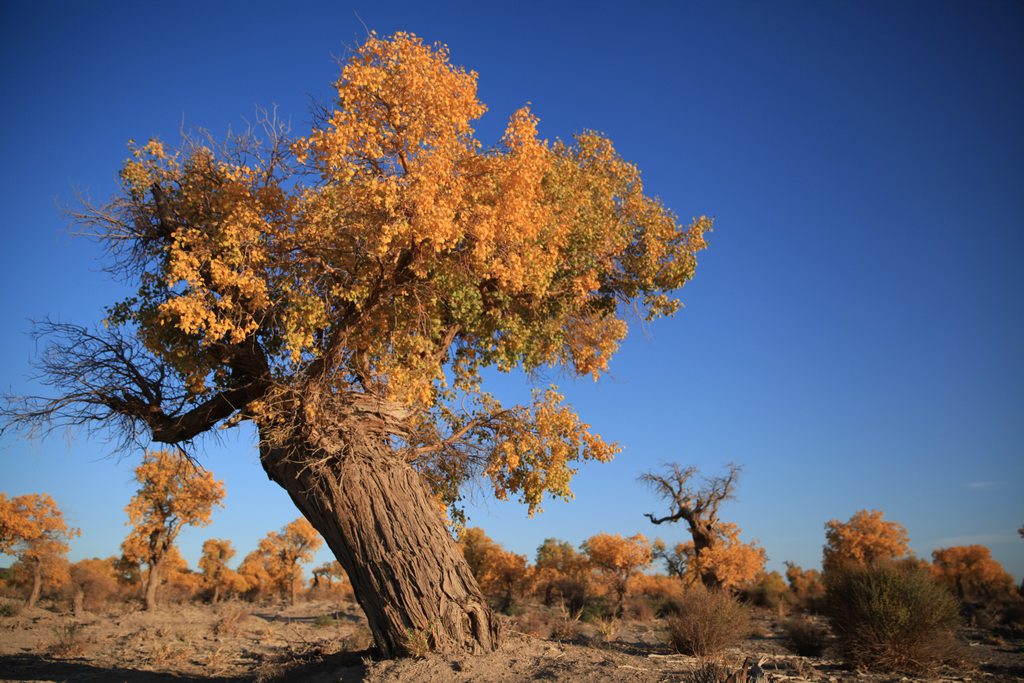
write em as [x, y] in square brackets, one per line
[866, 538]
[173, 493]
[970, 572]
[32, 527]
[535, 448]
[618, 555]
[734, 562]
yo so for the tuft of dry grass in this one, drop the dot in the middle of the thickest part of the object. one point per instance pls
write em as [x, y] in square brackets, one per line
[231, 620]
[69, 641]
[707, 622]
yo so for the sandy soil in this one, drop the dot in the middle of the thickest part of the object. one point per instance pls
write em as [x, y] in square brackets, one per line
[321, 642]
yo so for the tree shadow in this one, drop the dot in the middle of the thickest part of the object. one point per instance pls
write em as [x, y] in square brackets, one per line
[30, 667]
[336, 615]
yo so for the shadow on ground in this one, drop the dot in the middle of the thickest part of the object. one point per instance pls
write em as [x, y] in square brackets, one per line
[30, 667]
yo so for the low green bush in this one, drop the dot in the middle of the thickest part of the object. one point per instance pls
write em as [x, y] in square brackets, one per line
[891, 616]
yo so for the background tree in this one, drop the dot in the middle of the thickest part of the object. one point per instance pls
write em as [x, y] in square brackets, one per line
[970, 573]
[731, 561]
[218, 578]
[863, 540]
[174, 493]
[284, 551]
[697, 507]
[345, 290]
[561, 571]
[32, 528]
[502, 575]
[618, 558]
[93, 583]
[806, 584]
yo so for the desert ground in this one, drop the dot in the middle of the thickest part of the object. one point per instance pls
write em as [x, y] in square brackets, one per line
[324, 641]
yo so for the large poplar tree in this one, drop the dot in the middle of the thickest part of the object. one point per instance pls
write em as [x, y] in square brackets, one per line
[343, 292]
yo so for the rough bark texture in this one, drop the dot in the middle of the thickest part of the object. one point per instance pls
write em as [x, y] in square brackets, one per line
[37, 583]
[374, 511]
[704, 538]
[152, 581]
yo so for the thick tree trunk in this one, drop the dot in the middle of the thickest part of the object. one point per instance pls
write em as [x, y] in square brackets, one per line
[152, 582]
[78, 604]
[375, 513]
[704, 538]
[37, 584]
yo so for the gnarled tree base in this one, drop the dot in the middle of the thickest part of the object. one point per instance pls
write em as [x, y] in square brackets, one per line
[407, 572]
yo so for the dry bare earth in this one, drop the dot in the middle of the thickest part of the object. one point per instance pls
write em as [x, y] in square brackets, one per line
[321, 642]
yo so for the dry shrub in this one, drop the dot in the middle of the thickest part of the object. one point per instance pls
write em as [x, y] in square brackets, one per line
[707, 671]
[68, 641]
[805, 637]
[360, 639]
[535, 622]
[9, 609]
[707, 622]
[891, 616]
[231, 620]
[639, 609]
[607, 629]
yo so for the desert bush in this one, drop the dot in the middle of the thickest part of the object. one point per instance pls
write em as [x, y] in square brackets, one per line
[805, 637]
[891, 616]
[659, 591]
[231, 619]
[707, 671]
[68, 641]
[707, 622]
[9, 609]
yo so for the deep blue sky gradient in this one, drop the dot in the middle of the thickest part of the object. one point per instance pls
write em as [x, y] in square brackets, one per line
[854, 333]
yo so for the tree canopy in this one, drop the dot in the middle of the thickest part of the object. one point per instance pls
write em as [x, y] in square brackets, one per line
[380, 262]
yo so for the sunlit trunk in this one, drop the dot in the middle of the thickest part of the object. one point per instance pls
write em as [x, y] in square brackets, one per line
[37, 583]
[376, 515]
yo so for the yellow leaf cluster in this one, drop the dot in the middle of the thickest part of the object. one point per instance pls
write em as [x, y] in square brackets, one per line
[32, 527]
[970, 572]
[173, 493]
[864, 539]
[535, 449]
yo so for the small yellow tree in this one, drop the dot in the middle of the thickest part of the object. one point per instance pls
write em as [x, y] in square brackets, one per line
[92, 583]
[283, 553]
[503, 576]
[174, 493]
[32, 528]
[971, 573]
[218, 578]
[733, 562]
[618, 558]
[561, 571]
[865, 539]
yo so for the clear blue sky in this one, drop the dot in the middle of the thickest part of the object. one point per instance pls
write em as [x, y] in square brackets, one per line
[854, 335]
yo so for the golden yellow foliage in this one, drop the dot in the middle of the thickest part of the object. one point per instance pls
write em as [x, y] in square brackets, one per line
[218, 578]
[277, 558]
[173, 493]
[865, 539]
[389, 253]
[733, 562]
[32, 528]
[971, 573]
[618, 559]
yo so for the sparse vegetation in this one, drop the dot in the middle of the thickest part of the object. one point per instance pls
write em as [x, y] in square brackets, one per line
[891, 616]
[706, 622]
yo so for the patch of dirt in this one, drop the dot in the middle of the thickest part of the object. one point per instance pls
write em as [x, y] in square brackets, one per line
[323, 642]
